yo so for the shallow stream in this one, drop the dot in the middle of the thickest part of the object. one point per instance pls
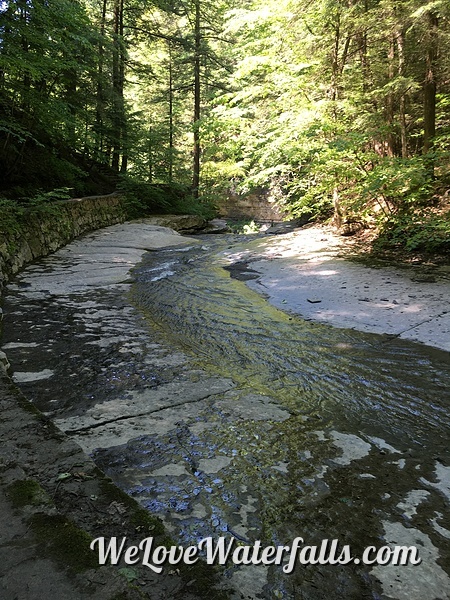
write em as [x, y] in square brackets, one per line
[306, 430]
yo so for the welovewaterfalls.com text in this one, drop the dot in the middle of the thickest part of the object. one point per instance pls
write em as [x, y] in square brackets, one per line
[223, 550]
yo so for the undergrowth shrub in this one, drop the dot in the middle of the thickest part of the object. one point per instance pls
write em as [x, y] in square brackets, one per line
[417, 231]
[142, 198]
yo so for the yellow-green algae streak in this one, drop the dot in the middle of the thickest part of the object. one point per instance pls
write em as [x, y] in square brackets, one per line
[230, 330]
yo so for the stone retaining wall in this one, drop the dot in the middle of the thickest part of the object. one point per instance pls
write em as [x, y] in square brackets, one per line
[44, 232]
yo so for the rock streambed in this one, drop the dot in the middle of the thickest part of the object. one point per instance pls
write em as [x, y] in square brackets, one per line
[228, 417]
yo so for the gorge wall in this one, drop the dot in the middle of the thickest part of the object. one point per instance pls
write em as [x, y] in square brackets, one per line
[255, 205]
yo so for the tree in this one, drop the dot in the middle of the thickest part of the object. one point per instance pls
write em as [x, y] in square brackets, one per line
[331, 103]
[45, 57]
[430, 85]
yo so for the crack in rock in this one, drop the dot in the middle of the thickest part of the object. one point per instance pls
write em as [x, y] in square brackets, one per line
[208, 389]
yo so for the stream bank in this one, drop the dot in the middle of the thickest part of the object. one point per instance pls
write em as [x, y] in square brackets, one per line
[225, 416]
[308, 273]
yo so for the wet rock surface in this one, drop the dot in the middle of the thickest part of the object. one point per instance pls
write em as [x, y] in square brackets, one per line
[53, 502]
[226, 417]
[30, 241]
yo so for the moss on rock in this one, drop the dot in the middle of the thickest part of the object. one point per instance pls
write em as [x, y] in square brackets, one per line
[27, 492]
[66, 543]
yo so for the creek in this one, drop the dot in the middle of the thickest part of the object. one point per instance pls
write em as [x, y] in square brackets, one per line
[300, 429]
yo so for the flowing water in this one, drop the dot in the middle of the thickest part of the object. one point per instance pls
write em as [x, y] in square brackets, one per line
[309, 400]
[312, 370]
[324, 434]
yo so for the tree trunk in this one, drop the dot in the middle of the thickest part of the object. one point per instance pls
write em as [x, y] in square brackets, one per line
[390, 102]
[70, 78]
[24, 15]
[150, 155]
[118, 84]
[171, 153]
[122, 113]
[124, 163]
[333, 91]
[400, 37]
[429, 88]
[337, 67]
[197, 150]
[338, 217]
[361, 39]
[100, 96]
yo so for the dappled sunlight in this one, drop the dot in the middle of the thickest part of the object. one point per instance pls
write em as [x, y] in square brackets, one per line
[216, 410]
[121, 260]
[321, 273]
[415, 308]
[302, 273]
[225, 412]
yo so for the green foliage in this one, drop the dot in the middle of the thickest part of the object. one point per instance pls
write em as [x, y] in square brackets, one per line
[142, 198]
[390, 186]
[203, 207]
[11, 215]
[246, 226]
[325, 106]
[417, 231]
[46, 53]
[43, 199]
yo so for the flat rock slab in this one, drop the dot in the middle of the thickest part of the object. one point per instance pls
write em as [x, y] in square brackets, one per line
[38, 454]
[209, 454]
[64, 488]
[111, 423]
[302, 272]
[100, 259]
